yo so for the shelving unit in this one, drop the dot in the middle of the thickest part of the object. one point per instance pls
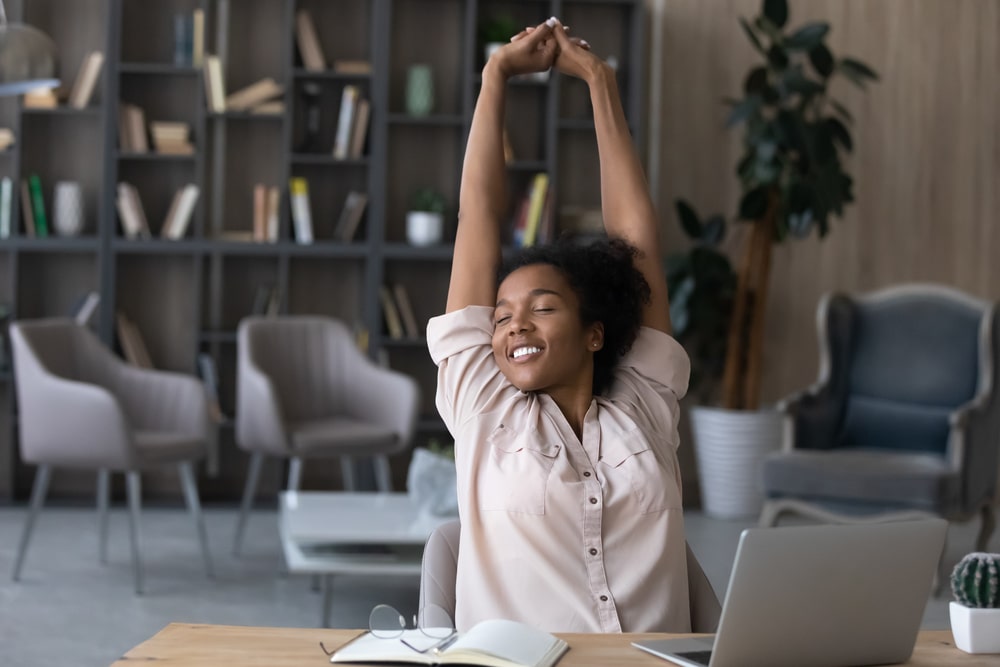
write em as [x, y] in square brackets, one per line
[188, 296]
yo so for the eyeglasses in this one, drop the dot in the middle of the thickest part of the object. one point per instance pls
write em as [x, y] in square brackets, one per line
[434, 623]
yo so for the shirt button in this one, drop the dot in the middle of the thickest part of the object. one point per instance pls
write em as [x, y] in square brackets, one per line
[586, 474]
[604, 598]
[593, 501]
[593, 552]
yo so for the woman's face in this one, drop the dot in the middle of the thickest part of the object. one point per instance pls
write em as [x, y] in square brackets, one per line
[539, 341]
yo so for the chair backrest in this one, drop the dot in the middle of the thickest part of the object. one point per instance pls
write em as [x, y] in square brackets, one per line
[309, 359]
[907, 357]
[61, 347]
[440, 566]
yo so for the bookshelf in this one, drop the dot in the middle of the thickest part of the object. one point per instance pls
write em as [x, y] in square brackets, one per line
[187, 296]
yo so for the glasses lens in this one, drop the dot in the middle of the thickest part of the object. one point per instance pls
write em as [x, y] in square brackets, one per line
[435, 622]
[385, 622]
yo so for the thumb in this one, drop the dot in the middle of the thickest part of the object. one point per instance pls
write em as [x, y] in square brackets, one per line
[562, 39]
[542, 31]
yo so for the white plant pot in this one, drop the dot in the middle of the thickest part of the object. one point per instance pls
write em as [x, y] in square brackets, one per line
[730, 446]
[975, 630]
[424, 228]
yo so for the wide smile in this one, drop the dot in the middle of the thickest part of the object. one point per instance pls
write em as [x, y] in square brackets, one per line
[524, 353]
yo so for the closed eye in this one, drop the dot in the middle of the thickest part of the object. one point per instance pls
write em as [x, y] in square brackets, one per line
[502, 320]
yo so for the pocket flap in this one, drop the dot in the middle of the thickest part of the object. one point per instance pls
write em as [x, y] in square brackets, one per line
[616, 448]
[506, 439]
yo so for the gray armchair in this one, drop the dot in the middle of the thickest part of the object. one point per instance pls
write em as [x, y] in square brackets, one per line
[905, 417]
[304, 390]
[439, 567]
[80, 406]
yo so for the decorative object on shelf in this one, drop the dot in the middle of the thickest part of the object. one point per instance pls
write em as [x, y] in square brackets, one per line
[68, 215]
[494, 32]
[310, 94]
[28, 58]
[975, 612]
[419, 90]
[425, 219]
[792, 182]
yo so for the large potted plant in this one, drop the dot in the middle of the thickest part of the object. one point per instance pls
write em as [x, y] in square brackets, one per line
[793, 182]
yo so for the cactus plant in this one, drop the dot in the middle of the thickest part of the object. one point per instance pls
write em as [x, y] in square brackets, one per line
[975, 581]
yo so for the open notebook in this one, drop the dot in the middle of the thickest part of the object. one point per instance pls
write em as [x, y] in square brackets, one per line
[494, 643]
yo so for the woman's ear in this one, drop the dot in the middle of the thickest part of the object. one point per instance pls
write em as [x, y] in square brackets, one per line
[596, 339]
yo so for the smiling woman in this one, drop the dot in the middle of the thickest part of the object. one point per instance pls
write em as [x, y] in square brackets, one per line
[560, 383]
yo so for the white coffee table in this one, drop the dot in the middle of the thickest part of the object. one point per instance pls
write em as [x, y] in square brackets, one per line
[327, 533]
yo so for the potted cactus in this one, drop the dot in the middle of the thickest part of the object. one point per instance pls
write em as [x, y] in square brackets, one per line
[975, 612]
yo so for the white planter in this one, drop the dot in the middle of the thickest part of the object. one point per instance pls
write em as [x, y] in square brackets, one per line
[424, 228]
[975, 630]
[729, 447]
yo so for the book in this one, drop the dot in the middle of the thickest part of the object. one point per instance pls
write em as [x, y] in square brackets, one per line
[539, 191]
[210, 378]
[259, 212]
[298, 189]
[359, 128]
[86, 80]
[350, 216]
[181, 209]
[85, 307]
[390, 313]
[342, 138]
[6, 197]
[132, 129]
[38, 206]
[310, 48]
[272, 218]
[7, 138]
[352, 67]
[406, 311]
[215, 86]
[254, 94]
[41, 98]
[492, 643]
[198, 38]
[132, 344]
[27, 217]
[131, 212]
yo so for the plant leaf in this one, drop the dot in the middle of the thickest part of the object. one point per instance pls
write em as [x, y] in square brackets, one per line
[743, 110]
[807, 37]
[776, 12]
[713, 230]
[756, 80]
[839, 133]
[822, 60]
[679, 313]
[844, 112]
[752, 36]
[753, 204]
[795, 81]
[777, 57]
[859, 68]
[689, 219]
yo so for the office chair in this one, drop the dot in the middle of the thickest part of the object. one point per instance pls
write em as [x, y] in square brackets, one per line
[440, 564]
[905, 417]
[304, 390]
[80, 406]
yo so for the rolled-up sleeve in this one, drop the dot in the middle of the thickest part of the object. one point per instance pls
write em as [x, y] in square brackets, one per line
[460, 344]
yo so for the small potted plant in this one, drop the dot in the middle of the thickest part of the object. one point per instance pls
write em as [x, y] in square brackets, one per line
[494, 32]
[975, 611]
[425, 219]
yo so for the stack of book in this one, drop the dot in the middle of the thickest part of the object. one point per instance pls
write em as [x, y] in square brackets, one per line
[397, 312]
[266, 204]
[171, 138]
[36, 222]
[258, 97]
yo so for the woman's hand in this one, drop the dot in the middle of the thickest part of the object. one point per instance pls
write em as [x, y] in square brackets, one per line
[529, 52]
[573, 56]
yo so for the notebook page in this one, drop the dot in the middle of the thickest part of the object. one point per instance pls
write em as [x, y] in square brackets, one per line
[509, 640]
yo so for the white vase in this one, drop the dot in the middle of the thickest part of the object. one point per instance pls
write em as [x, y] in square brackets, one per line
[67, 208]
[424, 228]
[730, 446]
[975, 630]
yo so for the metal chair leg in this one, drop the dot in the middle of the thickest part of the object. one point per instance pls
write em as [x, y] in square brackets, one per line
[253, 474]
[194, 505]
[383, 474]
[103, 500]
[38, 492]
[133, 490]
[294, 474]
[347, 473]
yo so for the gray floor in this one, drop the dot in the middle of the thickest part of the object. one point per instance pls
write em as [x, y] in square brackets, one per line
[68, 609]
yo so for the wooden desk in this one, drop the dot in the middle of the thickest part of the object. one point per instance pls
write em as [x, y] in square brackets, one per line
[186, 645]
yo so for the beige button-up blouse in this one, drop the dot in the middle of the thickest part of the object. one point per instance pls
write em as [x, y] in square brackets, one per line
[565, 535]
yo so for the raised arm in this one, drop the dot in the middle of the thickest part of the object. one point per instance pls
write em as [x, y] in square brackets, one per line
[625, 202]
[483, 194]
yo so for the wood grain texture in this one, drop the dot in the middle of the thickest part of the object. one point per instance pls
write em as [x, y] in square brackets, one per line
[185, 645]
[926, 161]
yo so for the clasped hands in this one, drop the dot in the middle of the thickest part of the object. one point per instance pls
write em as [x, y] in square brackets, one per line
[547, 45]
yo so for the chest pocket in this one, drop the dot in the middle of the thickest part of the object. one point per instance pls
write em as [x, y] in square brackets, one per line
[629, 457]
[516, 474]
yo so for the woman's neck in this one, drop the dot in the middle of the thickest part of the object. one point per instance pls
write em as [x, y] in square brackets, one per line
[574, 405]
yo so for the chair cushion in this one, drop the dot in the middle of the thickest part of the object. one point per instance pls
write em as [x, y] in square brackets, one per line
[883, 478]
[874, 423]
[341, 436]
[165, 447]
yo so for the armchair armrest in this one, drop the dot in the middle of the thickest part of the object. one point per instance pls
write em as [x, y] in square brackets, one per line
[385, 397]
[157, 400]
[813, 415]
[973, 450]
[260, 424]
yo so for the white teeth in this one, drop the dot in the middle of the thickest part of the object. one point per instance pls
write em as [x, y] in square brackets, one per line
[521, 351]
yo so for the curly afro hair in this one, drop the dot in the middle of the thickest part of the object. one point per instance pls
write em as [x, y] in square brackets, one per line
[610, 289]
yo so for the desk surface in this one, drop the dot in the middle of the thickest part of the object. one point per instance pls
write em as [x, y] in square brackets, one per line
[186, 645]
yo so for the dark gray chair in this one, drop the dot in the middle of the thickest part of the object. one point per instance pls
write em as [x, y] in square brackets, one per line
[905, 418]
[82, 407]
[304, 390]
[440, 565]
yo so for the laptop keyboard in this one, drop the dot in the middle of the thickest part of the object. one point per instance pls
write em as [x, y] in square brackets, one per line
[700, 657]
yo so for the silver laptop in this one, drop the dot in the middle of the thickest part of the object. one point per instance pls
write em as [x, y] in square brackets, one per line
[820, 596]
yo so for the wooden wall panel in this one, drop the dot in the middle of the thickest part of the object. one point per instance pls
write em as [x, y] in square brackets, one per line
[926, 162]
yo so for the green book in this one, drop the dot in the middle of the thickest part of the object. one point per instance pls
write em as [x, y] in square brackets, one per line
[38, 205]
